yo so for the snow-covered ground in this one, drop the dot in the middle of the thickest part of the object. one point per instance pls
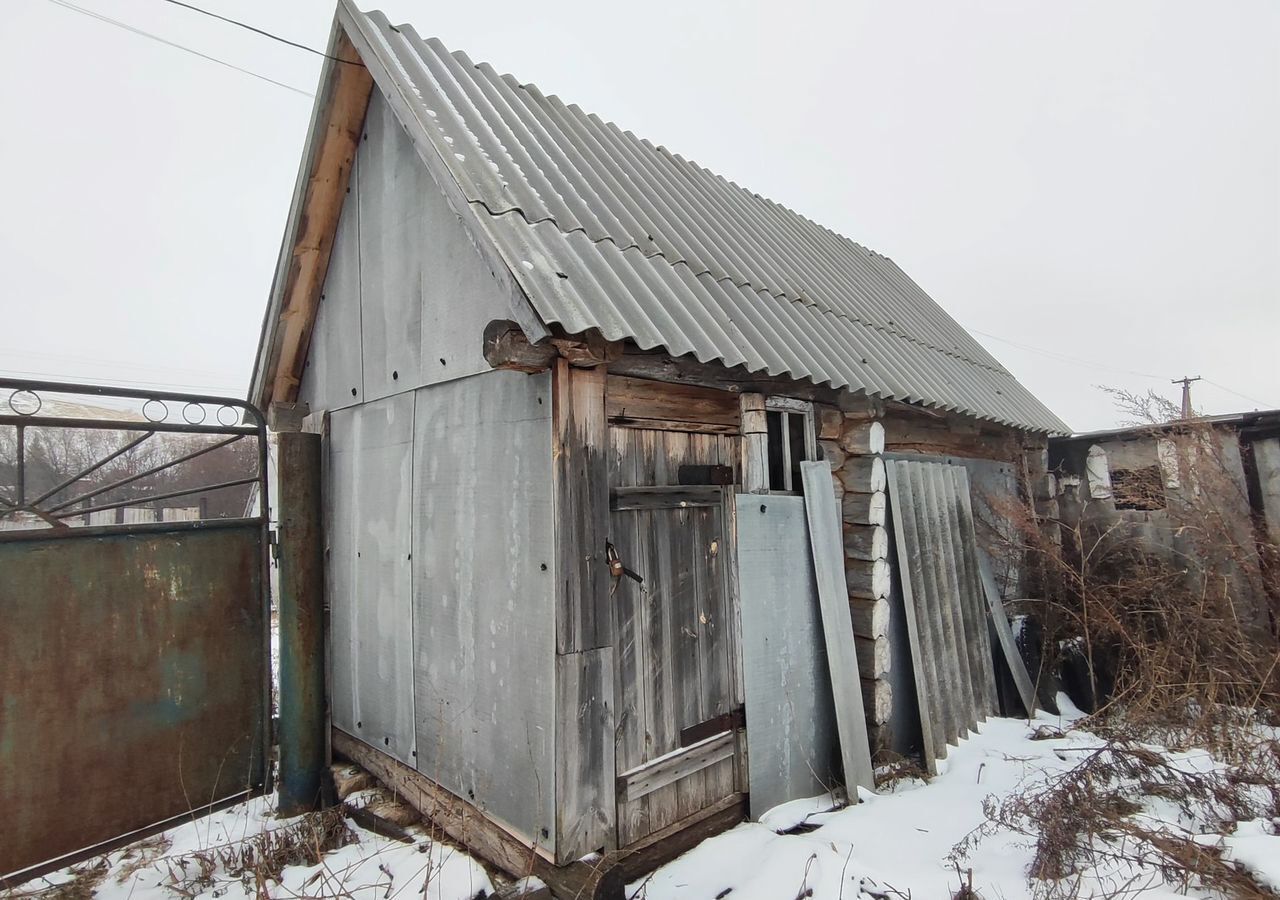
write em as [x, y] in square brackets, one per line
[902, 843]
[173, 866]
[897, 845]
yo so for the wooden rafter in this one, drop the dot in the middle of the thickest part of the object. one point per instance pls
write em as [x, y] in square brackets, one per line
[341, 121]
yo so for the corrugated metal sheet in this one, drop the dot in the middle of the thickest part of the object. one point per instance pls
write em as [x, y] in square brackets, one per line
[604, 230]
[944, 601]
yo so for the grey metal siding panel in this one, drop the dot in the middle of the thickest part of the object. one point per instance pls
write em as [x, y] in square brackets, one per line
[483, 595]
[368, 575]
[791, 728]
[407, 296]
[1266, 454]
[332, 378]
[393, 186]
[604, 230]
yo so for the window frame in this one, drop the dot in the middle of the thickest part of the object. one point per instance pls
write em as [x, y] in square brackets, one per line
[790, 406]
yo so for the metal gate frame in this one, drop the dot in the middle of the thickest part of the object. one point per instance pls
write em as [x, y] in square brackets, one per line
[21, 402]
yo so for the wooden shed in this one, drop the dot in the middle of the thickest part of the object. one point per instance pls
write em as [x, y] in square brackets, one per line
[567, 380]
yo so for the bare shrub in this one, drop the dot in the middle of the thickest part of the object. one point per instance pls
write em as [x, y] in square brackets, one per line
[1090, 822]
[1168, 615]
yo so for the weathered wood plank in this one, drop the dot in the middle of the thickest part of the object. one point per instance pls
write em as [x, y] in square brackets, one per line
[666, 844]
[712, 620]
[585, 766]
[632, 400]
[631, 660]
[580, 441]
[755, 445]
[659, 365]
[675, 546]
[345, 100]
[828, 562]
[665, 770]
[664, 497]
[673, 425]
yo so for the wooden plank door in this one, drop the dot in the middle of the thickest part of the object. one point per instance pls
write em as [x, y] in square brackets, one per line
[677, 735]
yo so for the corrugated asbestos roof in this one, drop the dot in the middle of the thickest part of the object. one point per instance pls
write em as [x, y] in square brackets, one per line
[604, 230]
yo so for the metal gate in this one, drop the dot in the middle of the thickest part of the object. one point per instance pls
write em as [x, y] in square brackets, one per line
[134, 615]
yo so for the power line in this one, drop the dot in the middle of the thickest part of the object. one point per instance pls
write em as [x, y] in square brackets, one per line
[266, 34]
[1051, 354]
[1222, 387]
[168, 43]
[225, 390]
[1068, 359]
[97, 361]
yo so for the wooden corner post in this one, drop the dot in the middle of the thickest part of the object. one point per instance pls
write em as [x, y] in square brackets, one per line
[585, 800]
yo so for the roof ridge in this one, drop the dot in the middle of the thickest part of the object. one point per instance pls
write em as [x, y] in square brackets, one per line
[704, 269]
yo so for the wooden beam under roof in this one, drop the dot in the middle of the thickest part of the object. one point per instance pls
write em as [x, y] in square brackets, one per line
[341, 120]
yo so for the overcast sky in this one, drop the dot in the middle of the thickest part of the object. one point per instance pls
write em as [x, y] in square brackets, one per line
[1092, 188]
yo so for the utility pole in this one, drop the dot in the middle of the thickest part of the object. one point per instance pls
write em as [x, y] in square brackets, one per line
[1186, 394]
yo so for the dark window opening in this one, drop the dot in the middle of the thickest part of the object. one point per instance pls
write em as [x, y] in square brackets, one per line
[777, 463]
[1138, 488]
[788, 446]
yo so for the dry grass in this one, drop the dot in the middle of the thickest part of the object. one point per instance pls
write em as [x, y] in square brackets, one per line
[1175, 638]
[1092, 822]
[82, 885]
[260, 858]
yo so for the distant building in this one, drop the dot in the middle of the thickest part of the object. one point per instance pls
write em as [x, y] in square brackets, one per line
[1167, 482]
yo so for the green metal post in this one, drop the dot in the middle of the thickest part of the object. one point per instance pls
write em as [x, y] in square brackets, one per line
[301, 610]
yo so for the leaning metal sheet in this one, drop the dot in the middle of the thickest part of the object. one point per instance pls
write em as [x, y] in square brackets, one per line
[791, 732]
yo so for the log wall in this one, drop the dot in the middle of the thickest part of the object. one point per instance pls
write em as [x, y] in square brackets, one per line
[854, 438]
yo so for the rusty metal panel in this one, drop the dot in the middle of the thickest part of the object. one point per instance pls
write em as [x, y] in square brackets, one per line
[133, 667]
